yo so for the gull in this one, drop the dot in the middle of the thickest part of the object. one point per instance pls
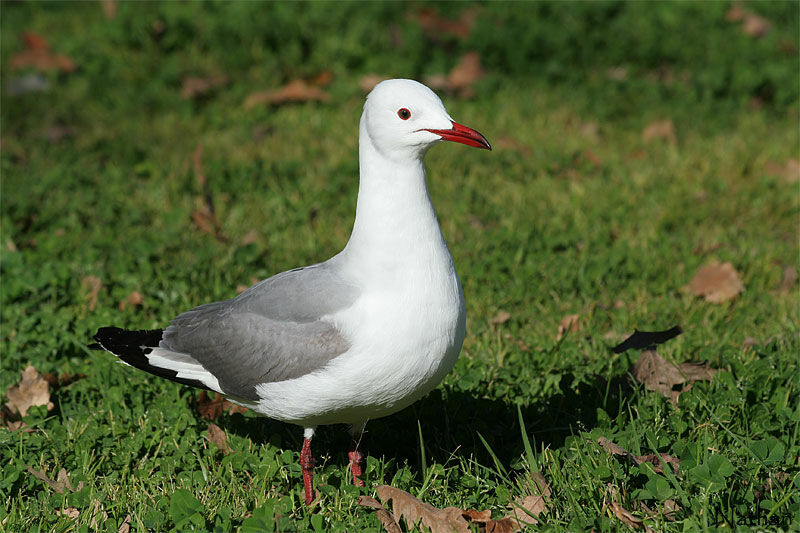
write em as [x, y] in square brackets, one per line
[359, 336]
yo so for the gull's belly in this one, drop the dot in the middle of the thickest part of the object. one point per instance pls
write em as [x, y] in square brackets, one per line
[404, 343]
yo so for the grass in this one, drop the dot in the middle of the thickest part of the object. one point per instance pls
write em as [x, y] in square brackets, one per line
[571, 213]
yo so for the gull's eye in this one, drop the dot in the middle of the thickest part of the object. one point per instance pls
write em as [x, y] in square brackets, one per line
[404, 113]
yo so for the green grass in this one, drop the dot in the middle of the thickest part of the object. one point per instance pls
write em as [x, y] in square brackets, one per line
[536, 229]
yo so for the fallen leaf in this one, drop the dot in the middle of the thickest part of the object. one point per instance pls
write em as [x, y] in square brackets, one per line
[568, 324]
[435, 25]
[69, 512]
[789, 279]
[56, 382]
[60, 485]
[641, 340]
[383, 515]
[192, 86]
[323, 79]
[467, 71]
[660, 129]
[38, 56]
[406, 506]
[203, 216]
[210, 409]
[716, 282]
[134, 299]
[756, 25]
[617, 73]
[625, 516]
[369, 81]
[92, 285]
[294, 91]
[501, 317]
[659, 375]
[657, 460]
[99, 516]
[219, 438]
[790, 171]
[125, 526]
[250, 237]
[109, 8]
[31, 390]
[10, 246]
[505, 142]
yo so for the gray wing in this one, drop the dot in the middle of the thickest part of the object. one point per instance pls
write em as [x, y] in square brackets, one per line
[273, 331]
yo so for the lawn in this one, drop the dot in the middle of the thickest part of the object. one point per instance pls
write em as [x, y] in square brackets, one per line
[634, 143]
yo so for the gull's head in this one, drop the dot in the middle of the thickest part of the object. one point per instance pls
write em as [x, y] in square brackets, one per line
[403, 118]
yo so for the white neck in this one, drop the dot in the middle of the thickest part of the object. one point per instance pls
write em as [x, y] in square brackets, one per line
[395, 225]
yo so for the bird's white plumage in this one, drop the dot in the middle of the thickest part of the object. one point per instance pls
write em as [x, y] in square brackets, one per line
[363, 334]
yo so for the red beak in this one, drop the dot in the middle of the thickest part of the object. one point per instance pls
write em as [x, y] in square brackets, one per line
[464, 135]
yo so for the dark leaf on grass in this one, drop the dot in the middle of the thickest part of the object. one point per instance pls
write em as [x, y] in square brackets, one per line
[203, 216]
[193, 86]
[37, 55]
[219, 438]
[369, 81]
[716, 282]
[65, 379]
[210, 409]
[31, 390]
[293, 92]
[435, 25]
[647, 339]
[109, 8]
[659, 375]
[657, 460]
[383, 515]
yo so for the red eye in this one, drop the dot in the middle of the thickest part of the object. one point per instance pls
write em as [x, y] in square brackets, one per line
[404, 113]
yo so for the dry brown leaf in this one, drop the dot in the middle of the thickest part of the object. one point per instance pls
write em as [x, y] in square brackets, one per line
[756, 25]
[406, 506]
[211, 409]
[10, 246]
[659, 375]
[203, 216]
[466, 72]
[380, 511]
[657, 460]
[218, 437]
[625, 516]
[31, 390]
[435, 25]
[134, 300]
[790, 171]
[250, 237]
[109, 8]
[192, 86]
[69, 512]
[568, 324]
[505, 142]
[294, 91]
[461, 77]
[501, 317]
[125, 526]
[369, 81]
[660, 129]
[92, 286]
[789, 279]
[716, 282]
[38, 56]
[99, 516]
[323, 79]
[60, 485]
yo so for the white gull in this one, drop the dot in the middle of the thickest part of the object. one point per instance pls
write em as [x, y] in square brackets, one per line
[359, 336]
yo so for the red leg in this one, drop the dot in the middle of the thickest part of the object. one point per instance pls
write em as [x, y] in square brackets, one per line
[356, 464]
[307, 464]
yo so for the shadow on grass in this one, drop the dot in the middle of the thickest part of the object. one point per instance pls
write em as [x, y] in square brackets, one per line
[451, 421]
